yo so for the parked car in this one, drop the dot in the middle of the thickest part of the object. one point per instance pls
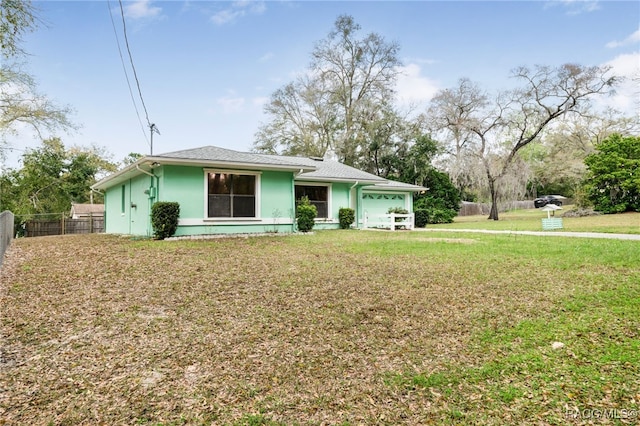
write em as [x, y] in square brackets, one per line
[546, 199]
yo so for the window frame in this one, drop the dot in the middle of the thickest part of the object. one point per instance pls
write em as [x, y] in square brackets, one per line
[257, 190]
[329, 195]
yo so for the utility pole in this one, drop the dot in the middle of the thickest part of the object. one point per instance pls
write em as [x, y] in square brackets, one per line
[153, 129]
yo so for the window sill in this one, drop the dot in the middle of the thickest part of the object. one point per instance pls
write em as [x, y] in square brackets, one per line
[232, 219]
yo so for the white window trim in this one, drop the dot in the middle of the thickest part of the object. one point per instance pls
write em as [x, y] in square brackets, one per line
[231, 219]
[329, 197]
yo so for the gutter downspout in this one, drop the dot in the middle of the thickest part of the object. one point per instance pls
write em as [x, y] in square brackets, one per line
[350, 203]
[149, 231]
[294, 224]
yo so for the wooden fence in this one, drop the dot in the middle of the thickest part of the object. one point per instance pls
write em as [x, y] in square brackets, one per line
[64, 225]
[472, 209]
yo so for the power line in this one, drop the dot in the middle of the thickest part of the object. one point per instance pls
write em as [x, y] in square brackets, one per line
[152, 127]
[124, 68]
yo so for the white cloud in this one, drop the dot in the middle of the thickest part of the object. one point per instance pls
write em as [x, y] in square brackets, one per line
[141, 9]
[260, 102]
[237, 10]
[575, 7]
[231, 103]
[633, 38]
[627, 93]
[267, 56]
[414, 88]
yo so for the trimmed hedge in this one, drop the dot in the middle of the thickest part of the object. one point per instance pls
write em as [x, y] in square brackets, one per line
[164, 219]
[347, 216]
[421, 218]
[305, 214]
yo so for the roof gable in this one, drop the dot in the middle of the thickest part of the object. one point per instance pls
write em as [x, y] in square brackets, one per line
[330, 170]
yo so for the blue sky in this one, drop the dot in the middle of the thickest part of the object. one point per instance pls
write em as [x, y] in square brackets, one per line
[206, 68]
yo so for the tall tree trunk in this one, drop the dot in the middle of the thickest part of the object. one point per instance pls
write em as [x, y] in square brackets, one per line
[493, 214]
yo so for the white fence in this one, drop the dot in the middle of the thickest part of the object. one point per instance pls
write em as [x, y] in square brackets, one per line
[391, 221]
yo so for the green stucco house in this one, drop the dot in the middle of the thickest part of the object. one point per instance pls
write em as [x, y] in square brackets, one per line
[222, 191]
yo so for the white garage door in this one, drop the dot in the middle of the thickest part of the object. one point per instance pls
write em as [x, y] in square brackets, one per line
[379, 203]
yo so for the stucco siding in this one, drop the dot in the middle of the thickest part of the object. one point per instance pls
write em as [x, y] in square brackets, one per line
[276, 198]
[184, 185]
[127, 207]
[116, 216]
[340, 198]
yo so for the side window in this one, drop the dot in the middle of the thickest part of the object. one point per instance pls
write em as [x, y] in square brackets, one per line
[231, 195]
[318, 196]
[122, 199]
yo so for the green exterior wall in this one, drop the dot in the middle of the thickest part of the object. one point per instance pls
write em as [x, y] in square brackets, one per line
[129, 214]
[186, 186]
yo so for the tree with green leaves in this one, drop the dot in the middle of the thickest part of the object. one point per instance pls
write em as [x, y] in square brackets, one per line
[613, 175]
[557, 162]
[52, 177]
[346, 91]
[495, 129]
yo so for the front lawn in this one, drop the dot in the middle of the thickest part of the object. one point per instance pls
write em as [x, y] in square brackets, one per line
[337, 327]
[531, 220]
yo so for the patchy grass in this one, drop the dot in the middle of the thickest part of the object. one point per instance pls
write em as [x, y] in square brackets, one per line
[339, 327]
[530, 220]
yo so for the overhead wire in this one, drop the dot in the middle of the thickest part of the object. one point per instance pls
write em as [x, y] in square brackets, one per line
[133, 67]
[126, 75]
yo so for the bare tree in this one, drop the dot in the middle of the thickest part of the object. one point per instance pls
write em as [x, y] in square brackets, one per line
[496, 129]
[350, 79]
[20, 102]
[16, 19]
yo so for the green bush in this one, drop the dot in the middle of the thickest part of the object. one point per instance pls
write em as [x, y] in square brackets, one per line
[438, 215]
[305, 214]
[164, 219]
[437, 210]
[347, 216]
[422, 217]
[398, 210]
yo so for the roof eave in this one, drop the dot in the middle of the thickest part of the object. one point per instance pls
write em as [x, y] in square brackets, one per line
[387, 187]
[167, 161]
[153, 162]
[338, 180]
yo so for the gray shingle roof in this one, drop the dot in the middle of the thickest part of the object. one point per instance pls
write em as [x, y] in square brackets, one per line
[329, 170]
[312, 169]
[214, 153]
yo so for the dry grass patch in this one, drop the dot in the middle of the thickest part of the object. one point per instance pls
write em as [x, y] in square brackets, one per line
[325, 329]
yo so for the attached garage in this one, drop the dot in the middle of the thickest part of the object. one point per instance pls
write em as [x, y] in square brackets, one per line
[376, 200]
[377, 204]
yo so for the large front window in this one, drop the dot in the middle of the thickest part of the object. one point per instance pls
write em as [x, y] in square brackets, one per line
[231, 195]
[318, 196]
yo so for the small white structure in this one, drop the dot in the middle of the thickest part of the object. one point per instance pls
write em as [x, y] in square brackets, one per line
[550, 222]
